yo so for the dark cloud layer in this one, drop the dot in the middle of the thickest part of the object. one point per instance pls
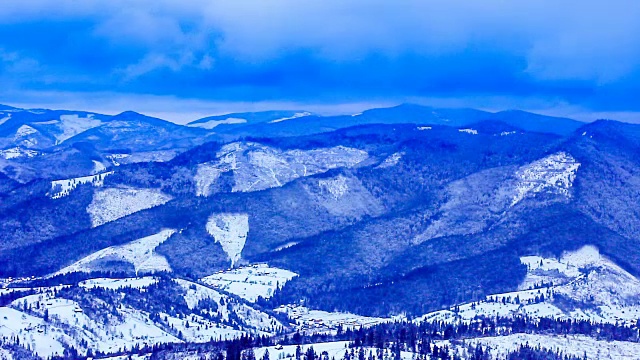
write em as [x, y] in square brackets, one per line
[584, 53]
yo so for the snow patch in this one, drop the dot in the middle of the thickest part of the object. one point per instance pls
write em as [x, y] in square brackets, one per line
[5, 119]
[140, 253]
[115, 284]
[336, 186]
[25, 130]
[554, 173]
[214, 123]
[116, 159]
[230, 231]
[114, 203]
[17, 152]
[250, 282]
[295, 116]
[98, 167]
[62, 188]
[390, 161]
[469, 131]
[507, 133]
[422, 128]
[257, 167]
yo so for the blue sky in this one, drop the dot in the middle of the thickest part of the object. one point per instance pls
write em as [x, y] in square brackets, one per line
[182, 59]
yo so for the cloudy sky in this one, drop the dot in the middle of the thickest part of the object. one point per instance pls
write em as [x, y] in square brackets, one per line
[184, 58]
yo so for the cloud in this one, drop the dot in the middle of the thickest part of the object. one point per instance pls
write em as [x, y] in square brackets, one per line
[586, 53]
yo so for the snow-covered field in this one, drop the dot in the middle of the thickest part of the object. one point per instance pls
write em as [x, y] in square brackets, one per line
[250, 282]
[322, 321]
[469, 131]
[257, 167]
[334, 350]
[72, 125]
[114, 203]
[295, 116]
[554, 173]
[125, 327]
[391, 160]
[576, 345]
[62, 188]
[115, 284]
[230, 231]
[17, 152]
[214, 123]
[140, 253]
[606, 292]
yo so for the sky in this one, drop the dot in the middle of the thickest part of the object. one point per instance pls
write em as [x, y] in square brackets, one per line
[183, 59]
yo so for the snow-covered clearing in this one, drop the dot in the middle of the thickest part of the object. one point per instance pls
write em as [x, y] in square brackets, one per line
[17, 152]
[214, 123]
[72, 125]
[230, 231]
[318, 320]
[62, 188]
[98, 167]
[69, 324]
[140, 253]
[469, 131]
[422, 128]
[295, 116]
[606, 292]
[5, 118]
[257, 167]
[25, 130]
[114, 203]
[250, 282]
[576, 345]
[334, 350]
[553, 173]
[115, 284]
[391, 160]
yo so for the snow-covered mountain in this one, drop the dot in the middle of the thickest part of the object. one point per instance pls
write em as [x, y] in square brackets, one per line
[120, 231]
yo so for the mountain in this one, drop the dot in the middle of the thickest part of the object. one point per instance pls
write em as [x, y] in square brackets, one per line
[307, 123]
[442, 219]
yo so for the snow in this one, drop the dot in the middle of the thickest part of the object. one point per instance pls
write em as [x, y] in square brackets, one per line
[507, 133]
[98, 167]
[25, 130]
[469, 131]
[62, 188]
[17, 152]
[554, 173]
[140, 253]
[390, 161]
[601, 290]
[334, 350]
[576, 345]
[5, 119]
[115, 284]
[336, 186]
[257, 167]
[117, 158]
[69, 324]
[422, 128]
[28, 330]
[295, 116]
[230, 231]
[322, 321]
[114, 203]
[214, 123]
[250, 282]
[72, 125]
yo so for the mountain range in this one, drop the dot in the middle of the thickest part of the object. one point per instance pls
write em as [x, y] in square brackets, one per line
[409, 211]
